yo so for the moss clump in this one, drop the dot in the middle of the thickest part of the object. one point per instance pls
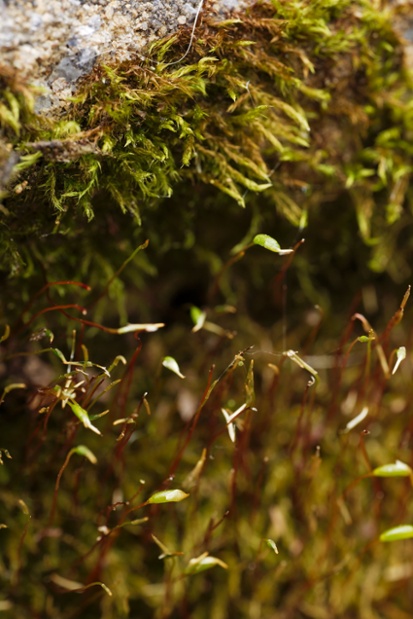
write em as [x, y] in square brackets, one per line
[295, 114]
[296, 102]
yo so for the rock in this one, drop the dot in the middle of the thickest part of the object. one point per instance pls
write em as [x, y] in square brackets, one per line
[56, 42]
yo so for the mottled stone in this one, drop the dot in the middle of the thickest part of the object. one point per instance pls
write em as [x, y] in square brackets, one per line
[56, 42]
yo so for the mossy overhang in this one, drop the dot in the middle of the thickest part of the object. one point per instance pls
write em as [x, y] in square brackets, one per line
[292, 105]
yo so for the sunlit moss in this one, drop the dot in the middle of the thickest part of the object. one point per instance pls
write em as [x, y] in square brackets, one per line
[295, 101]
[293, 115]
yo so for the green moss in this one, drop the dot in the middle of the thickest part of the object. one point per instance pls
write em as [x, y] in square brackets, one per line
[296, 114]
[297, 101]
[299, 106]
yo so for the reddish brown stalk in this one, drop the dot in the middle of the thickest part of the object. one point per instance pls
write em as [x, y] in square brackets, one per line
[126, 381]
[342, 361]
[20, 546]
[44, 289]
[216, 283]
[192, 425]
[396, 318]
[117, 273]
[295, 441]
[56, 488]
[279, 279]
[56, 308]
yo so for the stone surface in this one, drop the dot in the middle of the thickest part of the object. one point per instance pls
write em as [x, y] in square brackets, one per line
[58, 41]
[404, 26]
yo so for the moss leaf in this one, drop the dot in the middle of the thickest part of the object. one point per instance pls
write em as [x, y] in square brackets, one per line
[83, 416]
[168, 496]
[395, 469]
[171, 364]
[202, 563]
[266, 241]
[404, 531]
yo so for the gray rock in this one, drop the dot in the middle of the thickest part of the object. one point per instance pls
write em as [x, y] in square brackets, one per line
[56, 42]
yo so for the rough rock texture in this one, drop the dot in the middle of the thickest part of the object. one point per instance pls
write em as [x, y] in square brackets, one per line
[58, 41]
[404, 25]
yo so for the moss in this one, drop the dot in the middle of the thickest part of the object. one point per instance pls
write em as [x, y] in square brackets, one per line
[293, 105]
[296, 101]
[311, 98]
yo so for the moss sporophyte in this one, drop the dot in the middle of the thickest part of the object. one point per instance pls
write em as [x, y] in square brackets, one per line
[200, 413]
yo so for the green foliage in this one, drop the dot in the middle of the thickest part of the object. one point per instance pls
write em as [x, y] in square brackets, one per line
[167, 496]
[279, 486]
[396, 469]
[292, 97]
[395, 534]
[152, 352]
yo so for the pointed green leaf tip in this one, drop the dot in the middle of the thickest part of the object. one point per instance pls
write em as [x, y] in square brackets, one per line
[168, 496]
[400, 356]
[83, 416]
[202, 563]
[198, 318]
[395, 469]
[404, 531]
[266, 241]
[271, 544]
[82, 450]
[170, 364]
